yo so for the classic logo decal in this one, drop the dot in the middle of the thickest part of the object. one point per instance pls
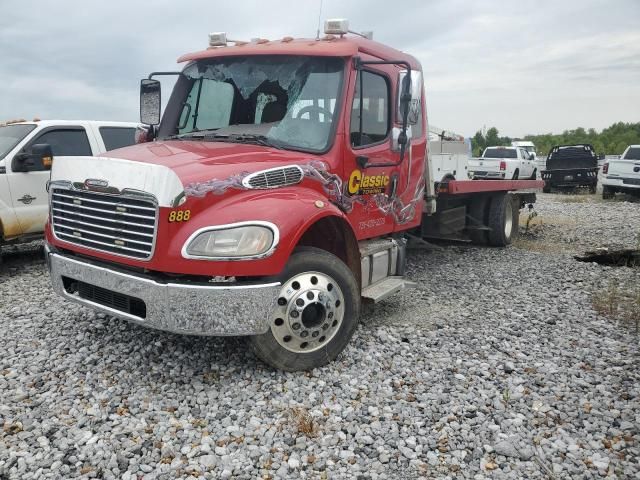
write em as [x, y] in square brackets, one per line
[361, 184]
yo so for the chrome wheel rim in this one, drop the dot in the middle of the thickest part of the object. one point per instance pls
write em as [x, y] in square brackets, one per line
[508, 222]
[309, 312]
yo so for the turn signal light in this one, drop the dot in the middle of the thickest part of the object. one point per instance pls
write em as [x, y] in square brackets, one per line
[605, 168]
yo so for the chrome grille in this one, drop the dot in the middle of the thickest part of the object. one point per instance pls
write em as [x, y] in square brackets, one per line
[117, 224]
[274, 177]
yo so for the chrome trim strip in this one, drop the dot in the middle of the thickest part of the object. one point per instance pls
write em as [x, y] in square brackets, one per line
[106, 219]
[259, 223]
[76, 229]
[131, 232]
[175, 307]
[145, 217]
[102, 243]
[104, 203]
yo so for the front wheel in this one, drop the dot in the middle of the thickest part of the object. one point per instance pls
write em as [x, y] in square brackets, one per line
[316, 313]
[534, 174]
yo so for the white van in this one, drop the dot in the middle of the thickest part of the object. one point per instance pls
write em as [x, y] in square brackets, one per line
[23, 194]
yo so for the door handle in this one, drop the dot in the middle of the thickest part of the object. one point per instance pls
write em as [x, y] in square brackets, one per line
[362, 161]
[26, 199]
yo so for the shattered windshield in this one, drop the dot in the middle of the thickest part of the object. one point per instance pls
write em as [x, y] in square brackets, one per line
[289, 101]
[10, 135]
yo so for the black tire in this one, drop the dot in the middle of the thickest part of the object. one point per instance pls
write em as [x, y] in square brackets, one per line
[516, 174]
[546, 188]
[534, 174]
[504, 220]
[593, 189]
[303, 261]
[479, 216]
[608, 192]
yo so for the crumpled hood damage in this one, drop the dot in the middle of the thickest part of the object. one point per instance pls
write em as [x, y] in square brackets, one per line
[168, 170]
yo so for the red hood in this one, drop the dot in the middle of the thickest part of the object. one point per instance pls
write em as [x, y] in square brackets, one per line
[202, 161]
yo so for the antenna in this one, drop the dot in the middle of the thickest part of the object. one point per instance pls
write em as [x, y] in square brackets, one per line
[319, 16]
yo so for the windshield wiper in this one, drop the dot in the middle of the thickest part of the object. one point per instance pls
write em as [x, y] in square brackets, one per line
[243, 138]
[192, 134]
[210, 135]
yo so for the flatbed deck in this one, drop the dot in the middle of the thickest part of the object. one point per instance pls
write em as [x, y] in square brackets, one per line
[456, 187]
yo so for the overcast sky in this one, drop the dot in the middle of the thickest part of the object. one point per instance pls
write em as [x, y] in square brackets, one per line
[527, 66]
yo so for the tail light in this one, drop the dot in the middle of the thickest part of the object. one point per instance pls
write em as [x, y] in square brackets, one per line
[605, 168]
[503, 165]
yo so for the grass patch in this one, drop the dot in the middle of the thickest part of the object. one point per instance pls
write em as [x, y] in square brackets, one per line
[619, 302]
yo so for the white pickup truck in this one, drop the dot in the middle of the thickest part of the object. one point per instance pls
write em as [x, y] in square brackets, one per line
[510, 163]
[23, 195]
[623, 174]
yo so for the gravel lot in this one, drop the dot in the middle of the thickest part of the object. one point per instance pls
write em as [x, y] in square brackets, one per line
[496, 366]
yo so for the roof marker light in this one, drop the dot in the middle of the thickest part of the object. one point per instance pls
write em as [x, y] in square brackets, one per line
[218, 39]
[336, 26]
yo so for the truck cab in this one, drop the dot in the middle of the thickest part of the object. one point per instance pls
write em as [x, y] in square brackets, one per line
[270, 195]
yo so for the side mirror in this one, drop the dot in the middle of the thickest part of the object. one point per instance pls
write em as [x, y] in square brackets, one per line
[150, 101]
[40, 159]
[415, 90]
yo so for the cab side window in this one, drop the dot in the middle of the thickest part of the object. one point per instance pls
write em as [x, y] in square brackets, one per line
[117, 137]
[66, 142]
[375, 110]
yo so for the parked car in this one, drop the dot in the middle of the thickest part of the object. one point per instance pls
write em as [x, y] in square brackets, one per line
[503, 163]
[623, 174]
[571, 166]
[23, 195]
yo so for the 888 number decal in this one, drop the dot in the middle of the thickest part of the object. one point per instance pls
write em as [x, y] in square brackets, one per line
[179, 216]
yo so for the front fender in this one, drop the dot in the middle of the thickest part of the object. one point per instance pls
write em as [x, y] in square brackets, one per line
[292, 210]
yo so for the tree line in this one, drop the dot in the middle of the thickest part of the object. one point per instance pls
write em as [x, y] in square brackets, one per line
[610, 141]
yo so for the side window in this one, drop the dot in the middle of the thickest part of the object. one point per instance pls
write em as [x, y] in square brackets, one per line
[63, 142]
[375, 110]
[117, 137]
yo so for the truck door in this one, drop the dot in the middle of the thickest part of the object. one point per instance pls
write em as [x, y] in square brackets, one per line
[371, 172]
[28, 189]
[386, 194]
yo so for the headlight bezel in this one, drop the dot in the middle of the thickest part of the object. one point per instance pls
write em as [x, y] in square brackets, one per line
[230, 226]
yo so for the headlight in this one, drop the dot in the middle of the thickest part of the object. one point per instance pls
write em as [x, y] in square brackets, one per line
[244, 240]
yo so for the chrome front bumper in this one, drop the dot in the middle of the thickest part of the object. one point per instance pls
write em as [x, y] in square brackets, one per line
[175, 307]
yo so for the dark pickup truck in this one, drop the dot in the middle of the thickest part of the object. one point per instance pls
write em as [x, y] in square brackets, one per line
[571, 166]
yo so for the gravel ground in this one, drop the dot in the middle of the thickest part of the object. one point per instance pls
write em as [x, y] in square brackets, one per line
[496, 366]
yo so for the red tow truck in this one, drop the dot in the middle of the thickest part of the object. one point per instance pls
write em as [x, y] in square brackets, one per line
[276, 193]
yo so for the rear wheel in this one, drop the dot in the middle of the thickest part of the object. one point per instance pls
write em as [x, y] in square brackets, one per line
[316, 313]
[504, 219]
[608, 192]
[592, 189]
[546, 188]
[516, 174]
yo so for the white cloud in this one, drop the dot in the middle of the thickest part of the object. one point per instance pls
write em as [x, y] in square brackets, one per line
[525, 67]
